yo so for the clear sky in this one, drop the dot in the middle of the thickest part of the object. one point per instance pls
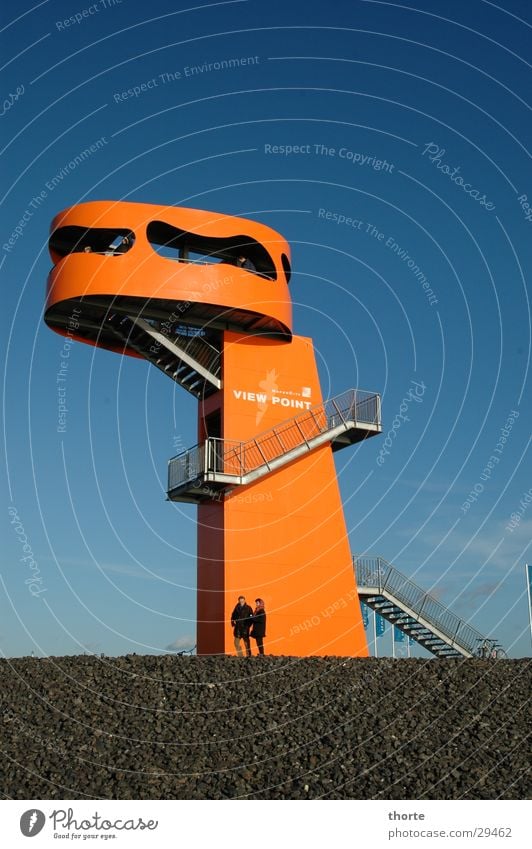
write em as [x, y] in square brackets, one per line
[408, 205]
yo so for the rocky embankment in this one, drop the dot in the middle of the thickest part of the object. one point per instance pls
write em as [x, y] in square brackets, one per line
[265, 728]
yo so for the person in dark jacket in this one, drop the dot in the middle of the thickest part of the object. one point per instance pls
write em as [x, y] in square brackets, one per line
[245, 263]
[258, 628]
[241, 623]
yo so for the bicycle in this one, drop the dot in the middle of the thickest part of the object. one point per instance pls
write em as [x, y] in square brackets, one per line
[183, 652]
[490, 650]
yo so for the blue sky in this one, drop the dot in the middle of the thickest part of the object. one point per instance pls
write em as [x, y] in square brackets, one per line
[413, 123]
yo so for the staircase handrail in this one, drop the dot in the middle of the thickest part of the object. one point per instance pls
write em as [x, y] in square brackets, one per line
[372, 571]
[201, 350]
[238, 458]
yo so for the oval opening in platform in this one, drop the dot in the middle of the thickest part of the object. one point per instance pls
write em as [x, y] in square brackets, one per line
[286, 267]
[106, 241]
[184, 246]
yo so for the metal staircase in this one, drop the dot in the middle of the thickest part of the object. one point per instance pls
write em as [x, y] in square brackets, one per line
[204, 471]
[402, 603]
[192, 360]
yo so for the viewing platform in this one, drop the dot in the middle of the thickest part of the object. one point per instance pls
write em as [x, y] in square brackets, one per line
[167, 266]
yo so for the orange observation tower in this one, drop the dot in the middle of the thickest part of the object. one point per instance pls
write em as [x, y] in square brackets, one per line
[205, 298]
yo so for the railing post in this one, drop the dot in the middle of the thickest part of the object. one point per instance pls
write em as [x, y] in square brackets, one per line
[425, 597]
[335, 405]
[320, 428]
[301, 432]
[208, 459]
[353, 406]
[279, 440]
[262, 454]
[218, 455]
[381, 573]
[456, 632]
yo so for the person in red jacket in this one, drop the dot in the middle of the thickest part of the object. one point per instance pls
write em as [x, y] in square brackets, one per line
[241, 623]
[258, 628]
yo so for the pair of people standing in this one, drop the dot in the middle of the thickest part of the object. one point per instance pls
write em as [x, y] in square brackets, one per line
[248, 623]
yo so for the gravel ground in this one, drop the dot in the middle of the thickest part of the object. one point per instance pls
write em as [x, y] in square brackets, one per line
[143, 727]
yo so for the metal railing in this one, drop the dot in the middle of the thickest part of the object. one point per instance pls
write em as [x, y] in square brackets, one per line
[186, 467]
[216, 261]
[138, 334]
[238, 459]
[204, 352]
[375, 572]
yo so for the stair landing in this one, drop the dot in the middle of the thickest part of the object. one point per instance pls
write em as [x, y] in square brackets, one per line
[209, 469]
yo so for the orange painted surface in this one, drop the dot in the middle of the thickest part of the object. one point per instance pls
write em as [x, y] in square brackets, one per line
[157, 282]
[283, 537]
